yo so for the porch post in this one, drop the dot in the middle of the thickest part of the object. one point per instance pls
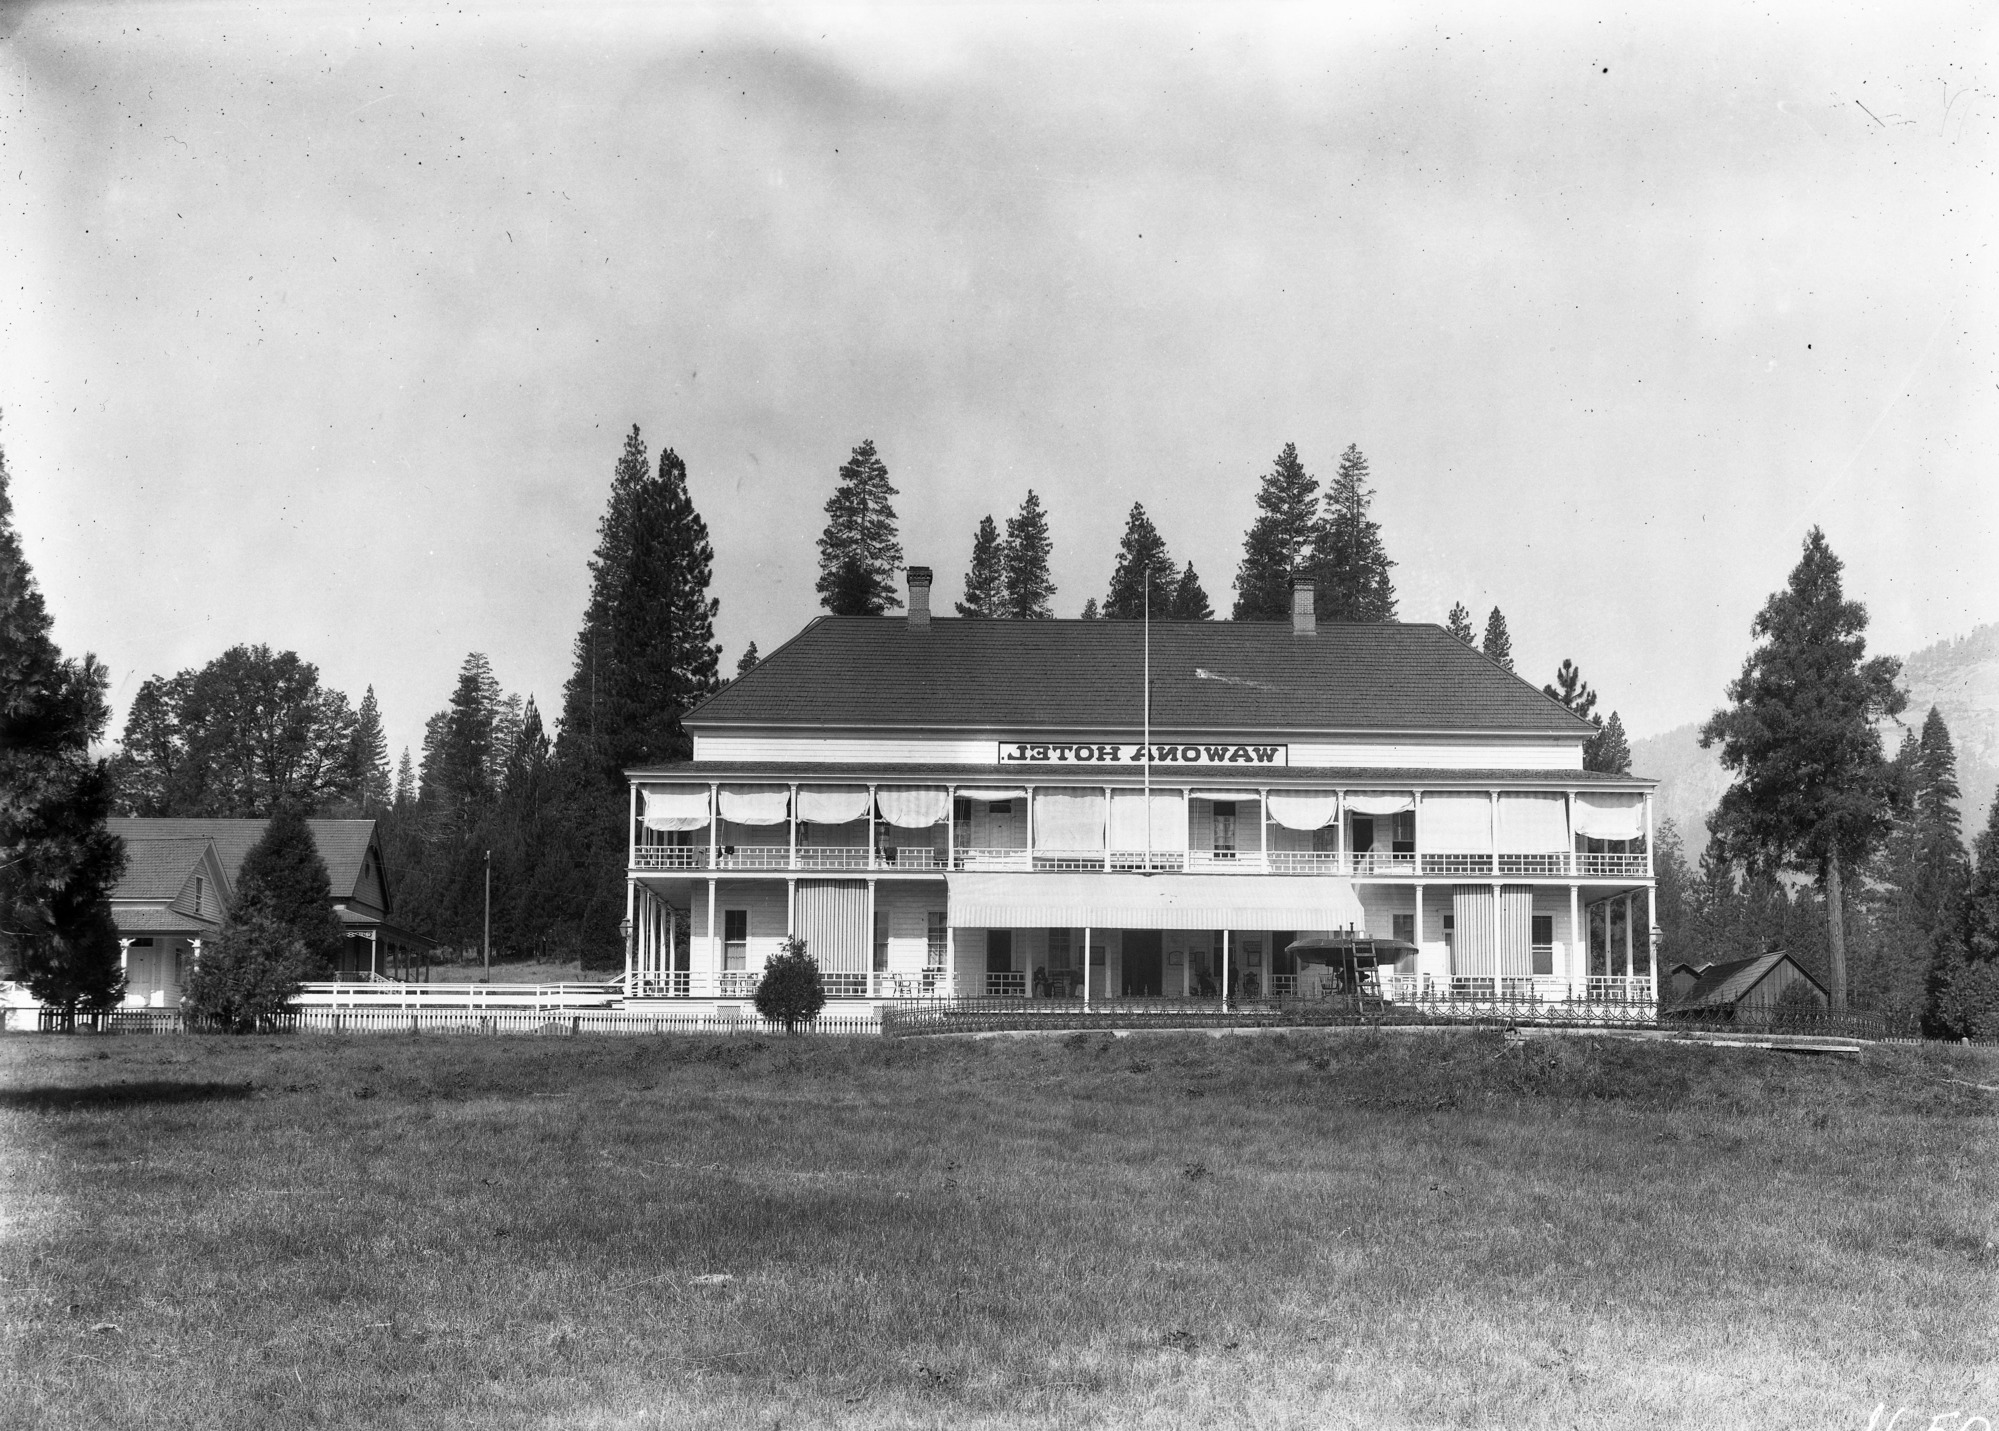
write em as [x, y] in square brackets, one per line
[1107, 865]
[870, 985]
[1569, 855]
[1417, 973]
[714, 940]
[950, 951]
[1494, 796]
[1263, 827]
[632, 830]
[124, 958]
[1029, 802]
[1628, 911]
[374, 952]
[871, 863]
[951, 833]
[1340, 834]
[1226, 1001]
[714, 822]
[1086, 969]
[790, 906]
[1652, 939]
[791, 823]
[1578, 955]
[1416, 822]
[1649, 866]
[630, 889]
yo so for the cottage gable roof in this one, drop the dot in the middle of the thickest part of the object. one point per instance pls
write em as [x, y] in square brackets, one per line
[862, 671]
[1721, 985]
[157, 870]
[343, 844]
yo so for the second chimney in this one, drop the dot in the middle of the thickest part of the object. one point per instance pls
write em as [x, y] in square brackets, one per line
[919, 596]
[1304, 618]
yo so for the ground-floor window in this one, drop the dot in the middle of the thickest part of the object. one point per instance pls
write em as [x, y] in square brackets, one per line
[735, 938]
[937, 941]
[1544, 944]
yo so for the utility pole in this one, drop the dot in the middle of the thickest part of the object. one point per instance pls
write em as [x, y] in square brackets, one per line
[489, 917]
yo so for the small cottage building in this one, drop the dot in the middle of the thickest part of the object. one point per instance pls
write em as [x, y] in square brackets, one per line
[1751, 990]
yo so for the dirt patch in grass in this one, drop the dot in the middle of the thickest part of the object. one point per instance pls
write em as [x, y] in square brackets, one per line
[1297, 1230]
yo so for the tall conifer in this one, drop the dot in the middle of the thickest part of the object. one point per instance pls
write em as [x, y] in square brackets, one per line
[1498, 643]
[1350, 560]
[1142, 563]
[1459, 625]
[58, 860]
[1190, 602]
[1813, 791]
[1279, 542]
[1025, 556]
[645, 655]
[859, 554]
[370, 774]
[985, 583]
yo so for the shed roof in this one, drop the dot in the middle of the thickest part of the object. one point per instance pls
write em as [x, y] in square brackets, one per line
[880, 671]
[1720, 985]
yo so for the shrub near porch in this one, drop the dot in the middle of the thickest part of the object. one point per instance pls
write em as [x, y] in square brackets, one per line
[1303, 1229]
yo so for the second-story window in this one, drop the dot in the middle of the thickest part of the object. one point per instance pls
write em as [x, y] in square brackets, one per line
[1224, 827]
[197, 894]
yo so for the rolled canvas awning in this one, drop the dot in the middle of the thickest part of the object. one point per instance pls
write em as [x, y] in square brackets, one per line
[1610, 815]
[1071, 901]
[675, 807]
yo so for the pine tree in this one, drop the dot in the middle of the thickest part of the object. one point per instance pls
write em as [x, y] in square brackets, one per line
[1964, 982]
[1608, 751]
[1943, 871]
[985, 583]
[1498, 644]
[405, 796]
[645, 655]
[747, 662]
[1142, 565]
[859, 554]
[58, 860]
[1025, 557]
[1570, 688]
[1279, 542]
[283, 879]
[1190, 602]
[369, 776]
[1813, 791]
[1349, 559]
[251, 972]
[1090, 612]
[1458, 624]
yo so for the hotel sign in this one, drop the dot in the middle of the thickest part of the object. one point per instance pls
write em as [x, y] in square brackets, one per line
[1035, 752]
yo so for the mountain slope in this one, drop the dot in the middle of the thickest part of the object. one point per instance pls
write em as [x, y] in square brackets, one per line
[1960, 678]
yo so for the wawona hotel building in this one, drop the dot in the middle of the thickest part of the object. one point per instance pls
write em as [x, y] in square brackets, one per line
[1098, 809]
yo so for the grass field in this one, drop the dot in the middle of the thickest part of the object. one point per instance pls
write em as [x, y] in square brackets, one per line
[1308, 1229]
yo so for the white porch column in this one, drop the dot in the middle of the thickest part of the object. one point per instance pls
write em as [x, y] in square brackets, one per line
[1494, 857]
[631, 830]
[1107, 865]
[870, 985]
[1569, 854]
[1417, 972]
[1652, 939]
[1226, 1000]
[714, 936]
[951, 832]
[1029, 802]
[871, 846]
[1086, 969]
[1416, 823]
[1262, 827]
[1340, 834]
[714, 824]
[374, 952]
[1650, 867]
[790, 905]
[631, 888]
[124, 959]
[1628, 910]
[791, 823]
[1578, 951]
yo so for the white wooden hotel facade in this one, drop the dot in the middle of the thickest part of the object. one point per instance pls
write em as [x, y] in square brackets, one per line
[946, 807]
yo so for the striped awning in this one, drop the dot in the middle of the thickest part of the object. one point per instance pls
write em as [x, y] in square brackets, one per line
[1177, 901]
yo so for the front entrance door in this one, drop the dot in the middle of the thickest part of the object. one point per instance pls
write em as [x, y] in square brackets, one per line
[999, 951]
[1143, 961]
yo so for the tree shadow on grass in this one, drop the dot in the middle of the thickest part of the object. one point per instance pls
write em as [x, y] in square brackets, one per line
[118, 1095]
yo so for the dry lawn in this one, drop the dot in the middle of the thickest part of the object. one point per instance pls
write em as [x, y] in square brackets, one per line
[1310, 1229]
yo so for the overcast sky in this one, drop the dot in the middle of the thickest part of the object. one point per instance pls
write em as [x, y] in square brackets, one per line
[323, 326]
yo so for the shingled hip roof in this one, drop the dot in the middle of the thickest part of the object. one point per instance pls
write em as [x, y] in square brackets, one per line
[861, 671]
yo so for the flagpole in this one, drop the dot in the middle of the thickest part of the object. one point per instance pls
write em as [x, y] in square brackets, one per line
[1146, 736]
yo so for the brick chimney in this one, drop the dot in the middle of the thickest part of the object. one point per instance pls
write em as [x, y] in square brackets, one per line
[919, 597]
[1304, 619]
